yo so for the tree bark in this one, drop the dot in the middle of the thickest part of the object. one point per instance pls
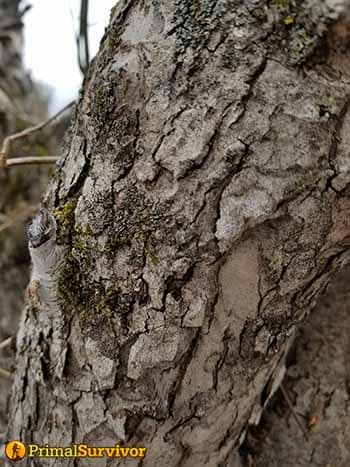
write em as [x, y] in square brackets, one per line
[317, 381]
[199, 209]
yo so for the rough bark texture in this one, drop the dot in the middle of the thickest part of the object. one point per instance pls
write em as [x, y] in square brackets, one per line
[201, 206]
[318, 384]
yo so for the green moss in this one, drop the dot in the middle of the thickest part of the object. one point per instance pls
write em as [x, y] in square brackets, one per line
[284, 5]
[288, 20]
[130, 229]
[150, 251]
[77, 259]
[66, 214]
[115, 243]
[113, 301]
[117, 27]
[76, 291]
[82, 252]
[88, 299]
[103, 104]
[301, 44]
[197, 7]
[76, 294]
[195, 20]
[297, 28]
[66, 284]
[99, 99]
[114, 36]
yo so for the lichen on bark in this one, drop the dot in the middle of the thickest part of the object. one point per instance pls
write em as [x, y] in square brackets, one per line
[204, 169]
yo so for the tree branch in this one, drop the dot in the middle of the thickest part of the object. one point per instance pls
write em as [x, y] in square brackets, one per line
[6, 343]
[31, 160]
[83, 38]
[6, 145]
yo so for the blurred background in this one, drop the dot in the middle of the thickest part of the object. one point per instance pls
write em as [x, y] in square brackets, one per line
[50, 54]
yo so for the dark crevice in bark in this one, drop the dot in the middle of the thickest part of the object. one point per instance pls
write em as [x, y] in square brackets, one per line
[194, 166]
[186, 360]
[326, 269]
[221, 360]
[180, 379]
[251, 84]
[332, 155]
[173, 285]
[179, 424]
[228, 435]
[283, 272]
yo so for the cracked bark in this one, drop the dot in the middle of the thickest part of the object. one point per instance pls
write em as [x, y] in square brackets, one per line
[198, 224]
[318, 382]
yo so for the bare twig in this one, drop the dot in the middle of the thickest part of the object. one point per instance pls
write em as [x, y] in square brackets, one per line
[31, 160]
[291, 408]
[6, 145]
[25, 10]
[83, 38]
[6, 343]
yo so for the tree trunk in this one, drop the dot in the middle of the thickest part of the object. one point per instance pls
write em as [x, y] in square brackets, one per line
[197, 213]
[318, 384]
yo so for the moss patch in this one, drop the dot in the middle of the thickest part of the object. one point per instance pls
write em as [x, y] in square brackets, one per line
[135, 227]
[65, 217]
[298, 26]
[115, 243]
[114, 36]
[195, 20]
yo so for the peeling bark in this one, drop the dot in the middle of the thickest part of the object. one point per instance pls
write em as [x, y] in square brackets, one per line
[202, 205]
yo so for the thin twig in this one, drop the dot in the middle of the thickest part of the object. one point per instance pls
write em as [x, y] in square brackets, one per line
[31, 160]
[6, 343]
[25, 10]
[6, 145]
[28, 131]
[291, 408]
[83, 38]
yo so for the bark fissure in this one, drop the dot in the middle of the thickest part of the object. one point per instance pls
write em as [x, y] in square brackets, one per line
[199, 235]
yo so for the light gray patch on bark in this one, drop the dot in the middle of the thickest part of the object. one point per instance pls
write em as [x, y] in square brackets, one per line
[103, 368]
[159, 348]
[90, 410]
[74, 165]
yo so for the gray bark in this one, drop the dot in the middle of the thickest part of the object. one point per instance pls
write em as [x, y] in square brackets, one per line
[318, 383]
[201, 206]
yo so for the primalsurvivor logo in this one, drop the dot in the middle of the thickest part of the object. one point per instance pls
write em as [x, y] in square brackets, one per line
[16, 451]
